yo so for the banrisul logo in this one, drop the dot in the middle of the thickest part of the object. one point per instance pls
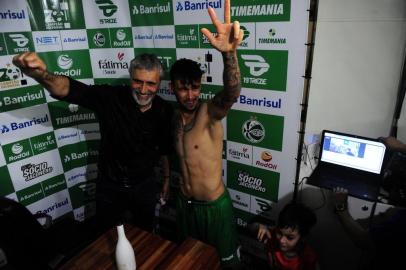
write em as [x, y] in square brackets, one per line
[19, 42]
[110, 66]
[11, 77]
[12, 15]
[197, 5]
[257, 182]
[121, 37]
[261, 10]
[17, 151]
[108, 9]
[75, 63]
[264, 69]
[261, 130]
[253, 130]
[187, 36]
[272, 38]
[21, 97]
[34, 170]
[151, 12]
[24, 124]
[78, 155]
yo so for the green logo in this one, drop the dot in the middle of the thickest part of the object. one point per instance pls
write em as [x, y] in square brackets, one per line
[30, 195]
[151, 12]
[257, 129]
[43, 143]
[187, 36]
[98, 38]
[75, 64]
[258, 182]
[121, 37]
[67, 115]
[263, 69]
[78, 155]
[54, 184]
[21, 98]
[17, 151]
[3, 50]
[260, 10]
[56, 15]
[19, 42]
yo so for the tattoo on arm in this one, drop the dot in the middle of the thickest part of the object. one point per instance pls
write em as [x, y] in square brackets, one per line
[232, 83]
[177, 126]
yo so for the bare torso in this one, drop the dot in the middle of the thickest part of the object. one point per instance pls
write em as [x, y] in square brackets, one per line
[199, 144]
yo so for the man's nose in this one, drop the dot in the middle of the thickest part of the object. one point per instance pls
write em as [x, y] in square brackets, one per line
[190, 94]
[143, 88]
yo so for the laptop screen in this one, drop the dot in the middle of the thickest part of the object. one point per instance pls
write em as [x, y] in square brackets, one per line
[352, 151]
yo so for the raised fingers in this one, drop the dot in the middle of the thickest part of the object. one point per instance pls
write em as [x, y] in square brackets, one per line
[227, 16]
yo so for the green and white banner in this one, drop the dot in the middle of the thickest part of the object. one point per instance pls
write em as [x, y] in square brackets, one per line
[49, 149]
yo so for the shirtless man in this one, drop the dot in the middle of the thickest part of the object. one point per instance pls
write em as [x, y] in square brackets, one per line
[204, 207]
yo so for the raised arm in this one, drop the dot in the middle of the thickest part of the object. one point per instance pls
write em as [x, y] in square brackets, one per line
[33, 66]
[229, 36]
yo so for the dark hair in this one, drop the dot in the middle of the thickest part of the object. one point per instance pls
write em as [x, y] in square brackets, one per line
[146, 61]
[186, 71]
[297, 216]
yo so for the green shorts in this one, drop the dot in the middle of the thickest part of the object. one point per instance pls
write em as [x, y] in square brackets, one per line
[211, 222]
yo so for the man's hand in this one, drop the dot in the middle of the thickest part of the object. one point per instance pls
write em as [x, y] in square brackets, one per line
[340, 198]
[30, 64]
[165, 190]
[263, 233]
[229, 35]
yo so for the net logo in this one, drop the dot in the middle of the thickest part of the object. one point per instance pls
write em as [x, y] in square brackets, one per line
[253, 131]
[99, 39]
[271, 39]
[32, 171]
[46, 40]
[257, 10]
[265, 161]
[19, 39]
[246, 180]
[12, 15]
[21, 125]
[189, 5]
[110, 66]
[157, 9]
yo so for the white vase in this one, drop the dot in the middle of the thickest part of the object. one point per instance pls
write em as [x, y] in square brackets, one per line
[125, 257]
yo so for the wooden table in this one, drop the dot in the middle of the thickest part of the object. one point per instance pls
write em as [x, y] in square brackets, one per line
[151, 252]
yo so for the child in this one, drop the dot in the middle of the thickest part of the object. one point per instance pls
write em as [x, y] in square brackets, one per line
[287, 249]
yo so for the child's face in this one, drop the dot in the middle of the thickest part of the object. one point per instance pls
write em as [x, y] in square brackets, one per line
[287, 238]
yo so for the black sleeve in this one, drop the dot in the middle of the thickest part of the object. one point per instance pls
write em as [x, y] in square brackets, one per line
[166, 140]
[89, 96]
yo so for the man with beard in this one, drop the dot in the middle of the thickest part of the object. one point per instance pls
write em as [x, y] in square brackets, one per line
[204, 207]
[135, 134]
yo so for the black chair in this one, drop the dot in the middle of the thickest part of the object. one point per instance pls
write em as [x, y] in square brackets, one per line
[26, 243]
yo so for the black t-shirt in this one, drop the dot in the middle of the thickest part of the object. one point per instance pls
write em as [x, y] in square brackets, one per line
[131, 141]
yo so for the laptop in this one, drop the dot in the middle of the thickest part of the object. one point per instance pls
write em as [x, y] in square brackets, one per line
[351, 162]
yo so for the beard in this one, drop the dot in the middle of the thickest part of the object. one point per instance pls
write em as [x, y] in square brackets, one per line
[143, 102]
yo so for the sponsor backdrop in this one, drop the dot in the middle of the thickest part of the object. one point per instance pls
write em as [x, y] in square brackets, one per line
[49, 149]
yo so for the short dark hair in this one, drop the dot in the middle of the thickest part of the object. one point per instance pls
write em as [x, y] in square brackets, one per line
[297, 216]
[186, 71]
[146, 61]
